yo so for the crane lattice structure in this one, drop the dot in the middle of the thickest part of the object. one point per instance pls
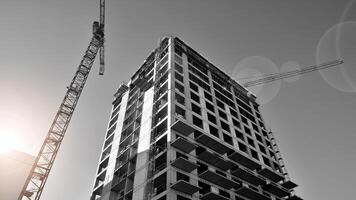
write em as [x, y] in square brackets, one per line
[42, 166]
[288, 74]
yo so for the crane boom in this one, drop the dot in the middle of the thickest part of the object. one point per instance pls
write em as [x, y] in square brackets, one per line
[277, 76]
[37, 178]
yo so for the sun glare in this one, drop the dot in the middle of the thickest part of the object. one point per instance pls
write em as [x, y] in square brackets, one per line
[9, 132]
[7, 143]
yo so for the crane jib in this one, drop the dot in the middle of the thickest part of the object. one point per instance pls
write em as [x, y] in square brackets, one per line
[37, 178]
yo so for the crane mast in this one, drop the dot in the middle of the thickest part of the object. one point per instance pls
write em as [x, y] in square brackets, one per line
[41, 168]
[101, 24]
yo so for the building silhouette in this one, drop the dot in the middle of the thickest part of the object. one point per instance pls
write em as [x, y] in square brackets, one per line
[182, 129]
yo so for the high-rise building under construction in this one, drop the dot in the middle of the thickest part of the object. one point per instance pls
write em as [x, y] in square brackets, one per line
[182, 129]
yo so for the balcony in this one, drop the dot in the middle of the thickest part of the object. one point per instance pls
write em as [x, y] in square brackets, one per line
[248, 176]
[275, 189]
[251, 194]
[182, 127]
[223, 164]
[183, 145]
[244, 160]
[215, 160]
[217, 179]
[212, 144]
[271, 174]
[213, 196]
[185, 187]
[184, 164]
[289, 184]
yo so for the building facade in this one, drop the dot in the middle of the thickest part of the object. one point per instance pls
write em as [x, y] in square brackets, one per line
[182, 129]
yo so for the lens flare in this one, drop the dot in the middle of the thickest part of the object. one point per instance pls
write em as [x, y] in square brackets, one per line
[254, 67]
[339, 42]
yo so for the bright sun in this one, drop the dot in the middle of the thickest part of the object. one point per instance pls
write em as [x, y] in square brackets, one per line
[7, 143]
[9, 132]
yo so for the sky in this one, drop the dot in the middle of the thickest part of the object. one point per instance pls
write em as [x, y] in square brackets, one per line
[312, 116]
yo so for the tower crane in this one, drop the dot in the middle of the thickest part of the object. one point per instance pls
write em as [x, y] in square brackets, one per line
[282, 75]
[43, 163]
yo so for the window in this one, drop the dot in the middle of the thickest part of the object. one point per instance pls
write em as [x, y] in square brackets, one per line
[259, 138]
[228, 139]
[266, 161]
[261, 124]
[214, 131]
[254, 154]
[178, 68]
[262, 149]
[117, 109]
[198, 73]
[247, 130]
[211, 118]
[163, 69]
[204, 188]
[179, 87]
[179, 99]
[222, 114]
[258, 115]
[233, 113]
[113, 120]
[178, 77]
[254, 126]
[251, 142]
[196, 109]
[236, 123]
[208, 96]
[178, 49]
[225, 126]
[220, 104]
[194, 97]
[239, 135]
[199, 82]
[180, 112]
[242, 147]
[193, 87]
[244, 120]
[181, 176]
[111, 130]
[209, 106]
[224, 194]
[198, 122]
[256, 107]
